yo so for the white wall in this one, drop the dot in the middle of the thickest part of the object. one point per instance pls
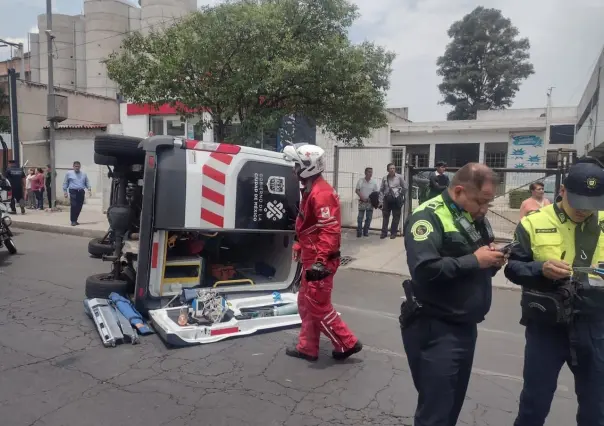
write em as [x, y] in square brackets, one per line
[78, 145]
[591, 133]
[134, 125]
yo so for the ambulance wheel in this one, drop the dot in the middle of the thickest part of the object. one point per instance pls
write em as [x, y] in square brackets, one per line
[102, 285]
[123, 147]
[97, 247]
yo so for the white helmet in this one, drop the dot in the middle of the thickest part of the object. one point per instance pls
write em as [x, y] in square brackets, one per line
[310, 158]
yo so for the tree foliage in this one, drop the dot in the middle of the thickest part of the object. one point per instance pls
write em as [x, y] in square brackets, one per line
[483, 65]
[258, 61]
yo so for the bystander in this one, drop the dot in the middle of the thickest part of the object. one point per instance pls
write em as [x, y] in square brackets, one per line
[74, 186]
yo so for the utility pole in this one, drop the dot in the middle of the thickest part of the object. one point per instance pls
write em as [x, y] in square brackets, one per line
[51, 111]
[548, 118]
[12, 91]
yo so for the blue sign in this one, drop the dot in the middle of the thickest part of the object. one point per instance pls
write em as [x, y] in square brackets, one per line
[530, 140]
[534, 159]
[518, 153]
[519, 166]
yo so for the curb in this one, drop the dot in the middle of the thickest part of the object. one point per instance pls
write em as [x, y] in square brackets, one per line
[508, 287]
[58, 229]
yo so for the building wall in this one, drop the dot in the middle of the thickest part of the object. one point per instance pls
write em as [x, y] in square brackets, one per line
[83, 109]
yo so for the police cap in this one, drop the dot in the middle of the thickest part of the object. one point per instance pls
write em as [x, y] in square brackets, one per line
[585, 185]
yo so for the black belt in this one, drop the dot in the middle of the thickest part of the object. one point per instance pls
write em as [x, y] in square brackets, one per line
[76, 190]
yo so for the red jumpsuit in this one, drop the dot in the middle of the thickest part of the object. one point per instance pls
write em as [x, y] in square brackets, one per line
[319, 234]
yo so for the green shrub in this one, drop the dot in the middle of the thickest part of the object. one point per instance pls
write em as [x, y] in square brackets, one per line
[517, 197]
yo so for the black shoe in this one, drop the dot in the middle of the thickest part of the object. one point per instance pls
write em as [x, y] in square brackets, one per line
[382, 236]
[392, 237]
[74, 223]
[295, 353]
[341, 356]
[13, 212]
[359, 235]
[366, 234]
[22, 210]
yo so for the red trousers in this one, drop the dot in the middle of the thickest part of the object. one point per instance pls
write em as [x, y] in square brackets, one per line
[319, 316]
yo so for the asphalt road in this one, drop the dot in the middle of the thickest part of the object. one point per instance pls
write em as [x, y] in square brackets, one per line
[54, 371]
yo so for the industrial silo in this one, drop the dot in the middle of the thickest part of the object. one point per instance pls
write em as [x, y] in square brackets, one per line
[158, 14]
[107, 23]
[64, 29]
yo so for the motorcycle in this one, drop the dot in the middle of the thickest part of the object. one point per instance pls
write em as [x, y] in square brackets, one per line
[6, 235]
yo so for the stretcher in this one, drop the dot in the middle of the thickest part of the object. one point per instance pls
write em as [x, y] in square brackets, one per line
[249, 315]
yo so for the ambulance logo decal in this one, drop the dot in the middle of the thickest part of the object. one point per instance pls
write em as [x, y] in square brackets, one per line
[274, 210]
[325, 213]
[276, 185]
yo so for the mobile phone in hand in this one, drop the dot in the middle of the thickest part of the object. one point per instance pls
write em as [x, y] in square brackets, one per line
[506, 248]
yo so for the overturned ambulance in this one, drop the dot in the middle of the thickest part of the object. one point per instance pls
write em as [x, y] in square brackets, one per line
[212, 258]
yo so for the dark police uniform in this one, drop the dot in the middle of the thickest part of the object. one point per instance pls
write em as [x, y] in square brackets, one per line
[549, 234]
[15, 176]
[449, 294]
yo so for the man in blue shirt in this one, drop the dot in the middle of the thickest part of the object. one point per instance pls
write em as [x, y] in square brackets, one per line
[76, 181]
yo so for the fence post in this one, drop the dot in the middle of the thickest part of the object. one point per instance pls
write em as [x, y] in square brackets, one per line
[336, 166]
[409, 201]
[558, 174]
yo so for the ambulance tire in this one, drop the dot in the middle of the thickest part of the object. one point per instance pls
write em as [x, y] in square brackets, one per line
[102, 285]
[105, 160]
[97, 247]
[124, 148]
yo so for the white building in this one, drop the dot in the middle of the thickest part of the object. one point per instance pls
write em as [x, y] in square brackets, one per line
[589, 139]
[514, 138]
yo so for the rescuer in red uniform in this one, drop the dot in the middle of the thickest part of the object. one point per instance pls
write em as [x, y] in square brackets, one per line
[317, 247]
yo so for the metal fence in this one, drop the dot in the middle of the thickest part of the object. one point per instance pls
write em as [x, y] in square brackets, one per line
[348, 168]
[513, 188]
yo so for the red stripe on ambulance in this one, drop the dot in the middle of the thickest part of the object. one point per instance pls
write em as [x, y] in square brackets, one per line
[213, 218]
[212, 195]
[223, 331]
[154, 255]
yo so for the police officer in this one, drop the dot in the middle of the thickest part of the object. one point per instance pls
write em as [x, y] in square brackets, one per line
[16, 177]
[551, 242]
[452, 262]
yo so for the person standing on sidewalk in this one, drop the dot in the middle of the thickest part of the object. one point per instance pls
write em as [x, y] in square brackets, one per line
[536, 201]
[16, 177]
[392, 200]
[74, 186]
[37, 187]
[317, 247]
[365, 187]
[30, 197]
[439, 181]
[451, 261]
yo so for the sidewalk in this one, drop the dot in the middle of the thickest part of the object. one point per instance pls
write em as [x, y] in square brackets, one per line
[370, 254]
[93, 224]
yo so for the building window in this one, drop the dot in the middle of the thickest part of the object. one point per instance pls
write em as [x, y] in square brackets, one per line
[562, 134]
[397, 159]
[175, 127]
[495, 160]
[156, 125]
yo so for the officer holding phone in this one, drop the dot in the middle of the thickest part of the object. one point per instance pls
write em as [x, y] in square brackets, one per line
[562, 312]
[452, 261]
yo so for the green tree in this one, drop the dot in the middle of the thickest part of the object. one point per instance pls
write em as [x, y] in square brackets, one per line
[484, 64]
[258, 61]
[4, 120]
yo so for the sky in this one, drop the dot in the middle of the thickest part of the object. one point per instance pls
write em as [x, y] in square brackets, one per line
[566, 39]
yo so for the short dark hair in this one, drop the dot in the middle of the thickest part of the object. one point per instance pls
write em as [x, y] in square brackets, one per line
[441, 164]
[368, 168]
[12, 161]
[40, 170]
[534, 185]
[48, 165]
[475, 175]
[77, 162]
[390, 164]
